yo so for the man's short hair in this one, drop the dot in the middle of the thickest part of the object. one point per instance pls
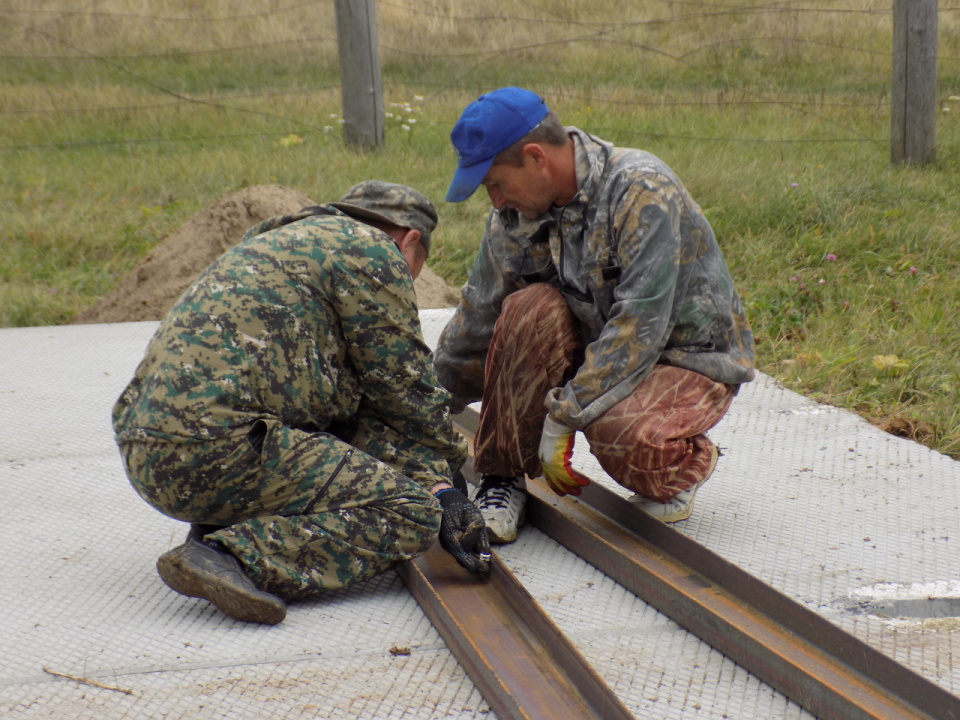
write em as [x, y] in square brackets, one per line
[550, 131]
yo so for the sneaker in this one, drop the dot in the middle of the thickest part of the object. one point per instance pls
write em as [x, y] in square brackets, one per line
[503, 503]
[680, 506]
[198, 570]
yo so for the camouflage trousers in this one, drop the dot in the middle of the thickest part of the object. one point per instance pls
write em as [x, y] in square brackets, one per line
[306, 513]
[653, 442]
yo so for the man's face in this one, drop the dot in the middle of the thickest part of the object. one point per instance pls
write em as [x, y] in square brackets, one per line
[527, 189]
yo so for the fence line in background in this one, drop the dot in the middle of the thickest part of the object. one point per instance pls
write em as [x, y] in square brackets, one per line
[913, 106]
[361, 86]
[913, 109]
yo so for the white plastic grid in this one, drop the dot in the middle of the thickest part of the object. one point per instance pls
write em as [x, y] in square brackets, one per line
[808, 498]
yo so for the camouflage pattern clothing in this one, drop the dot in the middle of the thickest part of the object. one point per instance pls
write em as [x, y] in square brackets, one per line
[639, 267]
[288, 398]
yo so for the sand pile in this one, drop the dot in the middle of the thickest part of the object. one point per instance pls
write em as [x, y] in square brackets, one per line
[149, 290]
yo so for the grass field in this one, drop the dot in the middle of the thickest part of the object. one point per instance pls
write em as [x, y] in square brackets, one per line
[121, 118]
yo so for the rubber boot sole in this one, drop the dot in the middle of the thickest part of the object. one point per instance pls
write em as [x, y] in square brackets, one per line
[230, 597]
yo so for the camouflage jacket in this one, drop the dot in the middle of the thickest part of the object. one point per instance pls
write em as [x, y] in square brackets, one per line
[306, 318]
[639, 266]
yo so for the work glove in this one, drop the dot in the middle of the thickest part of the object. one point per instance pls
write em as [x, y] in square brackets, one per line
[556, 451]
[457, 404]
[459, 482]
[463, 533]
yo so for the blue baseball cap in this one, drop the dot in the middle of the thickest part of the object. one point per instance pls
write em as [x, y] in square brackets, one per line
[487, 126]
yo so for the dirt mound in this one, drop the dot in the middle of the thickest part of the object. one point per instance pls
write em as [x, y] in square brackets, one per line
[149, 290]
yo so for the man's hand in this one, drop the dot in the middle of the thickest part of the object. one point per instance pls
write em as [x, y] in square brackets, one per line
[556, 451]
[463, 533]
[457, 404]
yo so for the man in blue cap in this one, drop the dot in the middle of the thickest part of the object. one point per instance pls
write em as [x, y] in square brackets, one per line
[599, 302]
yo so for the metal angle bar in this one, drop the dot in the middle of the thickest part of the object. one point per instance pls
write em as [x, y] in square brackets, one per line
[826, 670]
[524, 667]
[796, 651]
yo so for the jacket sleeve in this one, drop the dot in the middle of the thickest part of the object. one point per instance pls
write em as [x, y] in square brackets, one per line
[379, 320]
[645, 224]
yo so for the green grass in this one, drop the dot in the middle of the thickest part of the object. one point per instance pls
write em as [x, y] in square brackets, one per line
[777, 120]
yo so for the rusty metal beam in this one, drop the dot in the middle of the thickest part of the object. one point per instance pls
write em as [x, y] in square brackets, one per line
[825, 670]
[524, 667]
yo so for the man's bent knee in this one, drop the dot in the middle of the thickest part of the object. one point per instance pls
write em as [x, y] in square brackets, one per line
[538, 299]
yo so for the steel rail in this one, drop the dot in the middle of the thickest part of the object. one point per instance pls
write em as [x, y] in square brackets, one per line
[822, 668]
[825, 670]
[524, 667]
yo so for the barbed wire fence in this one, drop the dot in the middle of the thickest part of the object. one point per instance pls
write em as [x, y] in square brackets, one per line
[38, 42]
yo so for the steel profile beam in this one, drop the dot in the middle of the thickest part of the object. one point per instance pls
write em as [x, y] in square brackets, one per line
[825, 670]
[524, 667]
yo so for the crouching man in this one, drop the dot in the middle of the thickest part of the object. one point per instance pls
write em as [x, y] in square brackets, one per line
[288, 409]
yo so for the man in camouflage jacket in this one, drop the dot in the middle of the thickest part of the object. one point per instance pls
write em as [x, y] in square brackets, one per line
[287, 408]
[599, 301]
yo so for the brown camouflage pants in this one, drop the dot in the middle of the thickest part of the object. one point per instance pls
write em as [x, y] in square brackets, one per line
[652, 443]
[307, 513]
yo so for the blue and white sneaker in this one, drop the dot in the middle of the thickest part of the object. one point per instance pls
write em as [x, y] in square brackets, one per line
[503, 503]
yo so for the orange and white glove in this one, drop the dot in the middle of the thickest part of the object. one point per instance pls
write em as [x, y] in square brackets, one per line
[556, 452]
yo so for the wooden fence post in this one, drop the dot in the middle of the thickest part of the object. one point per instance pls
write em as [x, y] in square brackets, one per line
[360, 84]
[913, 116]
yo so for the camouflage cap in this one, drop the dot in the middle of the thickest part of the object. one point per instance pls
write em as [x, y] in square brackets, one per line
[392, 204]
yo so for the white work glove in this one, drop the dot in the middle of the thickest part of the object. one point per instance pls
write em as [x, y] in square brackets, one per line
[556, 451]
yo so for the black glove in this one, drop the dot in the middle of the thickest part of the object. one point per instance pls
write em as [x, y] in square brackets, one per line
[459, 482]
[463, 533]
[457, 404]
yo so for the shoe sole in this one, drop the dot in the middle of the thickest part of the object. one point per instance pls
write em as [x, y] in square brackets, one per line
[680, 514]
[686, 512]
[500, 540]
[196, 583]
[505, 539]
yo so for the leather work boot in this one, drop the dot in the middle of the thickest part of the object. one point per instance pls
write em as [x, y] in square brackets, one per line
[198, 530]
[198, 570]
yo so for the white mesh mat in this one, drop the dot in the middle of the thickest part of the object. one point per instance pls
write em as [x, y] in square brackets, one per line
[811, 499]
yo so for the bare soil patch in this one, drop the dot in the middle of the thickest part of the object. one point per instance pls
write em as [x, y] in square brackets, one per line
[151, 288]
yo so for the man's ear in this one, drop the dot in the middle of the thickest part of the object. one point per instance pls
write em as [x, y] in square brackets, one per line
[412, 249]
[409, 240]
[535, 152]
